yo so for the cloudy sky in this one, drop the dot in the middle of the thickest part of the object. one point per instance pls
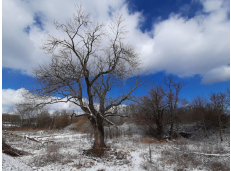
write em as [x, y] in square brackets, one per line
[186, 39]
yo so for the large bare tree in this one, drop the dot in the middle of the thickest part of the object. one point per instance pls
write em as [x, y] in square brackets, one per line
[87, 63]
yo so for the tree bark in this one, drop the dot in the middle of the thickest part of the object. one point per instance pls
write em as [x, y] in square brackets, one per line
[159, 130]
[159, 124]
[204, 126]
[221, 135]
[99, 143]
[220, 127]
[171, 132]
[7, 149]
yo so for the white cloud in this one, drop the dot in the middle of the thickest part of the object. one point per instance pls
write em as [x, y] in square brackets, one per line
[180, 46]
[212, 5]
[186, 47]
[63, 106]
[21, 50]
[215, 75]
[11, 97]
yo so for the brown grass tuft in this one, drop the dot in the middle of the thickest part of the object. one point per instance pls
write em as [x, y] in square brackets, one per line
[82, 124]
[146, 139]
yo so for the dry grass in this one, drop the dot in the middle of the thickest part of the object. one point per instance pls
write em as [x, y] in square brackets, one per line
[149, 166]
[146, 139]
[26, 129]
[52, 155]
[184, 157]
[183, 154]
[83, 125]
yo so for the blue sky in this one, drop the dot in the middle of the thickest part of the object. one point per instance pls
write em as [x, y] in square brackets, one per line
[188, 39]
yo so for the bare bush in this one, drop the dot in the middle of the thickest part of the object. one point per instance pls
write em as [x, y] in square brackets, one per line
[52, 153]
[62, 121]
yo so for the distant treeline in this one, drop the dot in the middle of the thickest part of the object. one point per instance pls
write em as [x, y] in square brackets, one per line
[160, 114]
[57, 120]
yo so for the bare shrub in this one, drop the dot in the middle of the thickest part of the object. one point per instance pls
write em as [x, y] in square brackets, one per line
[62, 121]
[52, 153]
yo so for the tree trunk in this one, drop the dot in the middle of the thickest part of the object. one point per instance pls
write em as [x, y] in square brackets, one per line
[7, 149]
[205, 126]
[220, 127]
[99, 136]
[159, 128]
[221, 135]
[110, 132]
[160, 131]
[171, 132]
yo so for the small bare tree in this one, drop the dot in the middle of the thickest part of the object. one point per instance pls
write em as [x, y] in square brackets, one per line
[152, 109]
[159, 108]
[28, 109]
[220, 103]
[173, 90]
[87, 63]
[199, 104]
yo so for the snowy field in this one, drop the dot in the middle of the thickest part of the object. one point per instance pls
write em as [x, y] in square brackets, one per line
[69, 150]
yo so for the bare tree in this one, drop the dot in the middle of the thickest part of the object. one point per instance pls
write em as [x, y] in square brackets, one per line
[87, 63]
[199, 104]
[220, 103]
[28, 110]
[173, 100]
[159, 108]
[151, 110]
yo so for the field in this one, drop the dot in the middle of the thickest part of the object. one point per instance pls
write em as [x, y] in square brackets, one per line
[71, 150]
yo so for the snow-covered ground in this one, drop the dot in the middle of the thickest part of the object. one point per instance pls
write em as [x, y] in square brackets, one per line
[12, 163]
[68, 150]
